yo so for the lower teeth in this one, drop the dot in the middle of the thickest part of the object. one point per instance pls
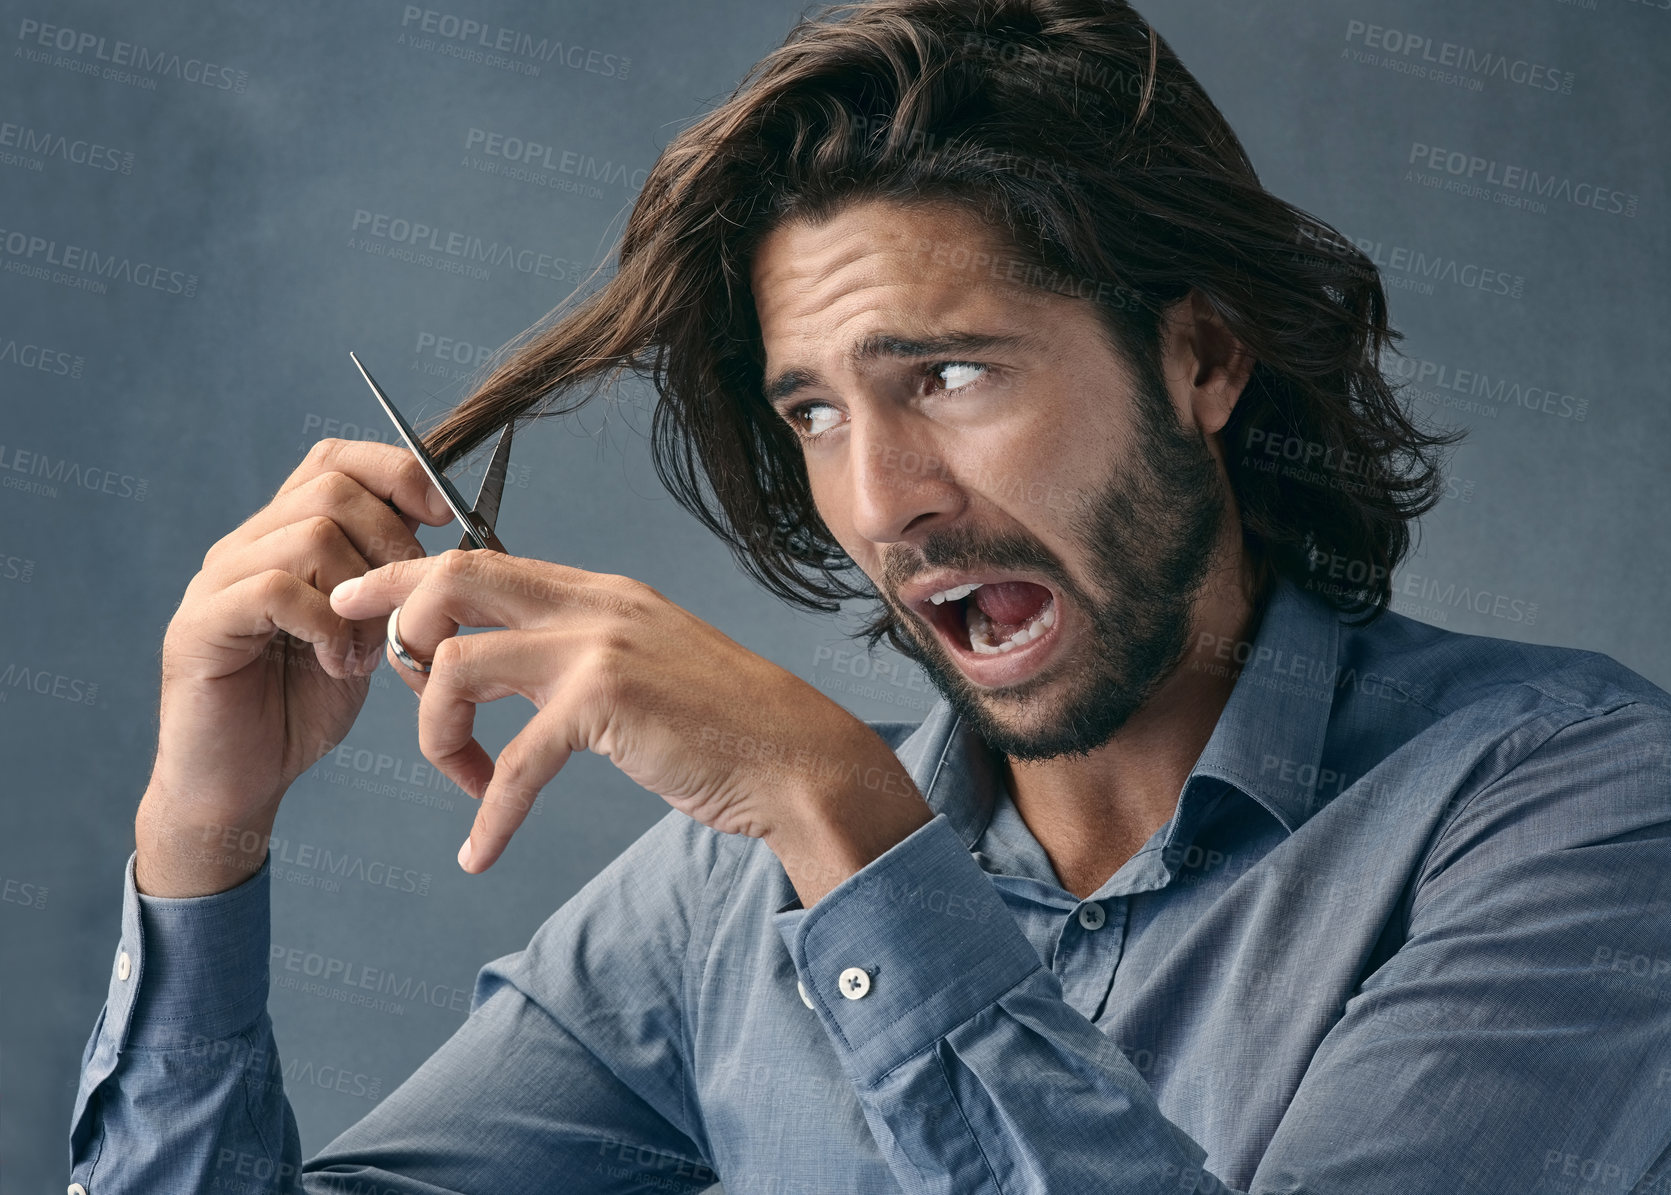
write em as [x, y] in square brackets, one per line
[980, 629]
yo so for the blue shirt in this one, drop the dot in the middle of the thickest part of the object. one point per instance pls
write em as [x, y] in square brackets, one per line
[1407, 930]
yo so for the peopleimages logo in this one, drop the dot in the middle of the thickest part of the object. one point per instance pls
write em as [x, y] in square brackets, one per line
[460, 252]
[352, 974]
[1407, 267]
[147, 64]
[494, 45]
[63, 471]
[1422, 55]
[1441, 383]
[43, 144]
[537, 156]
[38, 357]
[1481, 173]
[1436, 593]
[44, 683]
[32, 256]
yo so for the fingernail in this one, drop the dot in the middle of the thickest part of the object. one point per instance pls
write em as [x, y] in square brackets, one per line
[464, 855]
[345, 591]
[438, 504]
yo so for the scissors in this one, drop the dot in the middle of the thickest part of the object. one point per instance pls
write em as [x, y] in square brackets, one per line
[477, 522]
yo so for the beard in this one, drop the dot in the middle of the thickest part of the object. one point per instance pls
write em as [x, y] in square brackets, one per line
[1148, 538]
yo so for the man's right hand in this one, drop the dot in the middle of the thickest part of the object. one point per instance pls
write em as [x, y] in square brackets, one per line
[260, 677]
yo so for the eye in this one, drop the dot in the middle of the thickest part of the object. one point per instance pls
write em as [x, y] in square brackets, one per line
[811, 419]
[956, 375]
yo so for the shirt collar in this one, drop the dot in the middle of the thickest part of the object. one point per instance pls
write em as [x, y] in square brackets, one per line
[1267, 743]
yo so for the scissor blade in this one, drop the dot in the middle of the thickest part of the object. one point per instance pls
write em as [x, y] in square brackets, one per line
[454, 500]
[492, 487]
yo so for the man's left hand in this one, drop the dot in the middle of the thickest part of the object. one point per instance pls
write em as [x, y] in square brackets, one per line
[720, 733]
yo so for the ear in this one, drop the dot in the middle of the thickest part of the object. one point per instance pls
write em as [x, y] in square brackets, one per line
[1206, 366]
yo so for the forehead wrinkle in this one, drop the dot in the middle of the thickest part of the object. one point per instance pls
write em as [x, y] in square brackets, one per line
[843, 272]
[821, 285]
[934, 301]
[814, 335]
[818, 275]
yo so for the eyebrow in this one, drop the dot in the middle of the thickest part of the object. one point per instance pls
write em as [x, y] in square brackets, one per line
[882, 344]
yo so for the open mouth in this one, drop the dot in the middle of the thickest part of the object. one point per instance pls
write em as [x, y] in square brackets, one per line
[997, 630]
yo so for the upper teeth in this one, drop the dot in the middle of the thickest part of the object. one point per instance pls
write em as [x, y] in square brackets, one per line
[955, 593]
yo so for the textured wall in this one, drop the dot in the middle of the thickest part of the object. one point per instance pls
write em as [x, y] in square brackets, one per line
[191, 246]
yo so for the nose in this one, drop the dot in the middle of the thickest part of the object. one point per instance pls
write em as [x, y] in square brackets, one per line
[901, 482]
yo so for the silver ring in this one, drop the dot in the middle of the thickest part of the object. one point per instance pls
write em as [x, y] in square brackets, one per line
[399, 648]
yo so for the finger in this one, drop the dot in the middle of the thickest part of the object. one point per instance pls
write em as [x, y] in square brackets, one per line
[482, 588]
[415, 679]
[378, 532]
[422, 608]
[480, 668]
[527, 764]
[317, 551]
[439, 594]
[467, 671]
[242, 619]
[390, 471]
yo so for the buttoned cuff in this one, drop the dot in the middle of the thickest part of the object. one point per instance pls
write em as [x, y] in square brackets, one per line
[903, 951]
[197, 965]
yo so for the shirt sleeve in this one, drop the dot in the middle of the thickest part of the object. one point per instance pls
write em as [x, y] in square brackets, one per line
[1497, 1050]
[569, 1064]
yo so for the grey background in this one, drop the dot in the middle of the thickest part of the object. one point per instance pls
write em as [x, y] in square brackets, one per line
[161, 421]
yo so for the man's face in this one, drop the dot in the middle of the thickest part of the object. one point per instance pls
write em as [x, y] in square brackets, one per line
[960, 430]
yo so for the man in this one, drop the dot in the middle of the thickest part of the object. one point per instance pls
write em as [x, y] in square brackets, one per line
[1189, 882]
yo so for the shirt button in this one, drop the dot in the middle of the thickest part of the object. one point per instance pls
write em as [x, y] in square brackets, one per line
[1091, 916]
[801, 988]
[855, 983]
[124, 966]
[76, 1189]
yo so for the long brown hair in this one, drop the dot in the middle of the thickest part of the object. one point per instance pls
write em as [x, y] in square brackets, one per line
[1073, 129]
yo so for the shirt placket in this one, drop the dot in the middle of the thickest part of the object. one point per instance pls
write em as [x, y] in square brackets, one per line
[1089, 947]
